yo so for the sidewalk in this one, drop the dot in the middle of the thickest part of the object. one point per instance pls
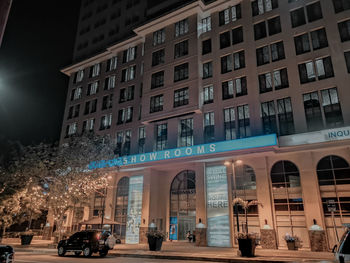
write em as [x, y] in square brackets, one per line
[186, 251]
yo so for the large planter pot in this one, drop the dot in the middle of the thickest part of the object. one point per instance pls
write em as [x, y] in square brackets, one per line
[155, 243]
[291, 245]
[247, 247]
[26, 239]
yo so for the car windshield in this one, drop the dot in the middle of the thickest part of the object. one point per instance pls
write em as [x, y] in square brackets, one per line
[5, 249]
[345, 243]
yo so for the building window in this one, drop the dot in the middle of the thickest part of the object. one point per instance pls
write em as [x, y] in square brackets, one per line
[333, 170]
[313, 113]
[142, 139]
[260, 30]
[224, 17]
[88, 125]
[226, 64]
[73, 111]
[238, 60]
[262, 55]
[227, 89]
[106, 122]
[265, 82]
[127, 143]
[209, 135]
[237, 35]
[302, 44]
[79, 75]
[109, 82]
[90, 106]
[314, 12]
[347, 60]
[159, 37]
[319, 39]
[274, 25]
[181, 27]
[236, 12]
[241, 86]
[206, 46]
[156, 103]
[76, 93]
[126, 94]
[344, 30]
[323, 66]
[207, 70]
[243, 121]
[181, 49]
[285, 116]
[341, 5]
[185, 133]
[95, 70]
[181, 72]
[129, 54]
[158, 57]
[230, 124]
[157, 80]
[107, 102]
[277, 51]
[206, 25]
[161, 137]
[181, 97]
[112, 64]
[208, 94]
[71, 129]
[128, 73]
[121, 207]
[331, 108]
[278, 81]
[225, 40]
[262, 6]
[120, 140]
[92, 88]
[268, 116]
[125, 115]
[297, 17]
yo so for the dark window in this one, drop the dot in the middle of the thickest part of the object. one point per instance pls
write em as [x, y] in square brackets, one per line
[181, 72]
[226, 64]
[262, 55]
[243, 121]
[238, 60]
[268, 116]
[107, 102]
[209, 127]
[157, 80]
[237, 35]
[324, 68]
[208, 94]
[302, 44]
[341, 5]
[280, 79]
[207, 70]
[181, 97]
[158, 57]
[331, 108]
[126, 94]
[156, 103]
[161, 137]
[265, 82]
[285, 116]
[347, 60]
[260, 30]
[224, 17]
[230, 124]
[274, 25]
[259, 7]
[314, 12]
[298, 17]
[206, 46]
[313, 113]
[225, 40]
[277, 51]
[241, 86]
[181, 49]
[306, 72]
[319, 39]
[333, 170]
[185, 133]
[344, 30]
[285, 174]
[227, 90]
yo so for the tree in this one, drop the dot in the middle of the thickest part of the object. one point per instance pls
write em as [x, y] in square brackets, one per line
[245, 205]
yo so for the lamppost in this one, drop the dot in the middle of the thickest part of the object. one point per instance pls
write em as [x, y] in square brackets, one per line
[232, 162]
[104, 201]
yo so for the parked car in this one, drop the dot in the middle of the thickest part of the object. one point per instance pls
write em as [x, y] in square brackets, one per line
[87, 242]
[7, 254]
[342, 250]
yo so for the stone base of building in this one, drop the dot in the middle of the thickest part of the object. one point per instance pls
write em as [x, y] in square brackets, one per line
[143, 238]
[201, 237]
[268, 239]
[318, 240]
[47, 233]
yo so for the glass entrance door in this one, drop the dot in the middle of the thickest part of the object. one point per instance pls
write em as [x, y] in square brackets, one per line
[186, 224]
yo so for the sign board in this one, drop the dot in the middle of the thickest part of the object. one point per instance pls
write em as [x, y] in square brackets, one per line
[218, 232]
[134, 210]
[173, 228]
[196, 150]
[331, 206]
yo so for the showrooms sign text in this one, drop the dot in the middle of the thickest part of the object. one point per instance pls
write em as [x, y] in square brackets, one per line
[202, 149]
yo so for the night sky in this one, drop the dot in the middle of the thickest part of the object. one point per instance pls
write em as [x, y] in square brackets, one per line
[38, 42]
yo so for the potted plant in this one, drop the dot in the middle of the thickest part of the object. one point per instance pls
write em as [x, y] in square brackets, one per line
[246, 240]
[292, 241]
[155, 239]
[26, 237]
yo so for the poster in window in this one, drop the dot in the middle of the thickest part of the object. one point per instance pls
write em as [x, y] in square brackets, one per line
[173, 228]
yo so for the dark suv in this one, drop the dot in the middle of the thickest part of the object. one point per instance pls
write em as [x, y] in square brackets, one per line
[6, 254]
[88, 242]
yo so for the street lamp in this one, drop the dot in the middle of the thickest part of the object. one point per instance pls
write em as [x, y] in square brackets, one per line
[109, 177]
[232, 163]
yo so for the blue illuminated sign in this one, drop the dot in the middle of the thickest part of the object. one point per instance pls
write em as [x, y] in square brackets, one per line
[196, 150]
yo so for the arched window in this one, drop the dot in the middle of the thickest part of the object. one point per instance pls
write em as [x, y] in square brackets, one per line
[245, 177]
[333, 170]
[285, 174]
[121, 207]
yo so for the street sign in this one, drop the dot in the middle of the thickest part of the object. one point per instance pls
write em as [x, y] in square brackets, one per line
[331, 205]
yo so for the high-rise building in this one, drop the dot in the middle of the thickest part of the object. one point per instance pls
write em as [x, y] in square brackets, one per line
[5, 6]
[209, 102]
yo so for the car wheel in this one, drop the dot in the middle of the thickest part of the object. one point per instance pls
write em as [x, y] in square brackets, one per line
[103, 253]
[61, 251]
[87, 252]
[77, 253]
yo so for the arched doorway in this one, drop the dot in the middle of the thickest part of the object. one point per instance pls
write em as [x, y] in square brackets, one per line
[333, 173]
[288, 202]
[183, 204]
[121, 207]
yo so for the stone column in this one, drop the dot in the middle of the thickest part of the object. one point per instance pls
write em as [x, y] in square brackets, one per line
[201, 212]
[145, 220]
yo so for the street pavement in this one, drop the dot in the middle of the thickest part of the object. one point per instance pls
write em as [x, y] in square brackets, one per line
[25, 257]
